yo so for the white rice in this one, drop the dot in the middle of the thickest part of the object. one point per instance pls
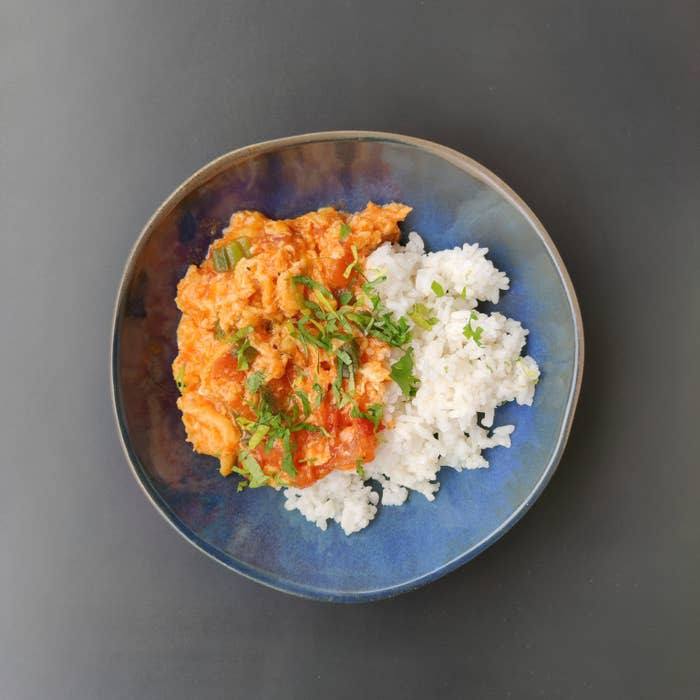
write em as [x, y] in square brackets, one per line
[459, 380]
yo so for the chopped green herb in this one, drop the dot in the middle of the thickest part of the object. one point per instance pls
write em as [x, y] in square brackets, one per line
[345, 231]
[242, 485]
[255, 381]
[359, 468]
[347, 364]
[319, 341]
[348, 270]
[257, 476]
[311, 427]
[343, 357]
[402, 374]
[437, 288]
[312, 284]
[319, 394]
[463, 293]
[304, 402]
[345, 297]
[420, 315]
[233, 338]
[244, 422]
[373, 414]
[473, 333]
[180, 379]
[240, 333]
[258, 436]
[245, 354]
[287, 460]
[392, 331]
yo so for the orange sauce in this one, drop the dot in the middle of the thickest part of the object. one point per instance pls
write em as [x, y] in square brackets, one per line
[260, 302]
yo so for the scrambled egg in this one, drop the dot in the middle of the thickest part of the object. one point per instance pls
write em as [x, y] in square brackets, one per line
[259, 388]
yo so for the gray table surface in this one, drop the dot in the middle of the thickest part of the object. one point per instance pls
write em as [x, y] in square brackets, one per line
[589, 110]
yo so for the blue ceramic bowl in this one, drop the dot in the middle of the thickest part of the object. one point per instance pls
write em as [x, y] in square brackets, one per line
[454, 200]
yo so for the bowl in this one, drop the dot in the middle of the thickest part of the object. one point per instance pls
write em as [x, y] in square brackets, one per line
[455, 200]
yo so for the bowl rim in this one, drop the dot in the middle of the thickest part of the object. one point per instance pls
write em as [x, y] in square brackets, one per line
[461, 161]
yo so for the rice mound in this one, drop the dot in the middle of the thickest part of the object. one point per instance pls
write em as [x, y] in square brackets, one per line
[449, 422]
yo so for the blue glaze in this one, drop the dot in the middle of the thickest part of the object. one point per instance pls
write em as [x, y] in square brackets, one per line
[455, 201]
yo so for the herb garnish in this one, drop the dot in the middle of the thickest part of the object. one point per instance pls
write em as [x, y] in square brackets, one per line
[345, 231]
[473, 333]
[354, 263]
[254, 381]
[330, 323]
[420, 315]
[257, 477]
[402, 374]
[245, 354]
[312, 284]
[437, 288]
[373, 414]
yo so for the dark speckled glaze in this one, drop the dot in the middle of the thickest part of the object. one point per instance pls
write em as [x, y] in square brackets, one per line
[455, 200]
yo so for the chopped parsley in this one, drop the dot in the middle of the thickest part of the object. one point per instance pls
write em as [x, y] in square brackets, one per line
[304, 402]
[345, 297]
[312, 284]
[359, 468]
[373, 414]
[473, 333]
[420, 315]
[254, 381]
[345, 231]
[233, 338]
[402, 374]
[245, 354]
[241, 333]
[328, 322]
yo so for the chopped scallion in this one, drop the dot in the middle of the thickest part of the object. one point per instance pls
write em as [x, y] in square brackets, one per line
[220, 259]
[437, 288]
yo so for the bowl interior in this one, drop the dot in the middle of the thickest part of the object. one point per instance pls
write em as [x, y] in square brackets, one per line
[251, 531]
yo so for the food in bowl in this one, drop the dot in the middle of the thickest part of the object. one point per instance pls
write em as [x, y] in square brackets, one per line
[319, 356]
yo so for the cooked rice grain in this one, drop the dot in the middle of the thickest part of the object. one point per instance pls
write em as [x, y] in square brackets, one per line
[450, 420]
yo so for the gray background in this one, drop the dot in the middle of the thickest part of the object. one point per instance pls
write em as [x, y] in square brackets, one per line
[589, 110]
